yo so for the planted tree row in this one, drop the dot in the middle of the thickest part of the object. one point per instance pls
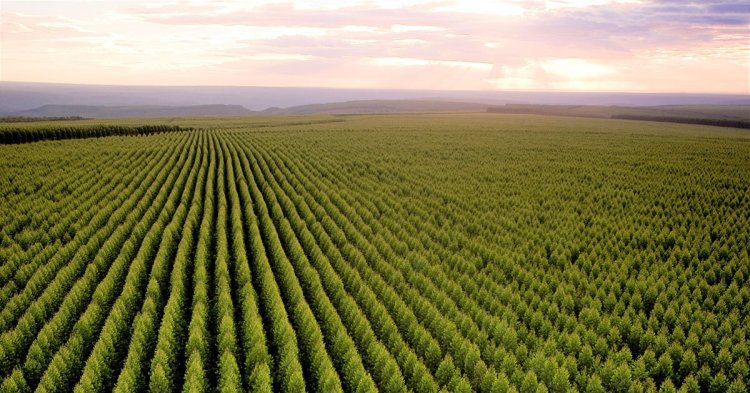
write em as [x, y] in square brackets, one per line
[13, 135]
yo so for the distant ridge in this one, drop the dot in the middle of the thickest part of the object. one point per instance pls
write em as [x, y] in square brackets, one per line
[728, 114]
[21, 96]
[348, 107]
[378, 106]
[735, 116]
[711, 112]
[94, 111]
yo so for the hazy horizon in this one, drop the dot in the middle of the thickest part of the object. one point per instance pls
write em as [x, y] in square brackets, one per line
[21, 96]
[631, 46]
[323, 87]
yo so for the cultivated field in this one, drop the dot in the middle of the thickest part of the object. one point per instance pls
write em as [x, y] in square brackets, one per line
[456, 252]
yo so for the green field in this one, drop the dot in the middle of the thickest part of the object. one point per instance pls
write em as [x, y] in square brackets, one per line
[455, 252]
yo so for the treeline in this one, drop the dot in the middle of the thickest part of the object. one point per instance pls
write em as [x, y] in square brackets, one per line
[24, 135]
[29, 119]
[687, 120]
[606, 112]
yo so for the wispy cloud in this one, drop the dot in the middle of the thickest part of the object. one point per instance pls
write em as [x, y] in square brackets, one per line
[643, 45]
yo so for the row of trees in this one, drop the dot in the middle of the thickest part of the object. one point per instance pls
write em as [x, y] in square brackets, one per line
[139, 205]
[688, 120]
[134, 375]
[13, 135]
[29, 119]
[63, 372]
[32, 238]
[342, 347]
[50, 285]
[387, 279]
[607, 331]
[604, 348]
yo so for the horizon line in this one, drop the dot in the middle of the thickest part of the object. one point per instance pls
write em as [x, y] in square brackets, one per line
[634, 92]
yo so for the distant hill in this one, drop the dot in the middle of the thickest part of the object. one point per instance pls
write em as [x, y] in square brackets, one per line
[21, 96]
[348, 107]
[726, 112]
[718, 115]
[378, 106]
[93, 111]
[666, 113]
[733, 111]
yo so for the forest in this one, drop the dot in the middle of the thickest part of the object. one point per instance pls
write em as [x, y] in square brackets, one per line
[398, 253]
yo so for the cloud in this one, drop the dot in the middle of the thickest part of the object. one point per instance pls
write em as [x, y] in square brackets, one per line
[560, 74]
[398, 28]
[729, 8]
[410, 62]
[501, 8]
[36, 27]
[592, 24]
[577, 69]
[540, 44]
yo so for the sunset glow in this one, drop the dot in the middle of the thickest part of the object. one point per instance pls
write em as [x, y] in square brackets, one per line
[585, 45]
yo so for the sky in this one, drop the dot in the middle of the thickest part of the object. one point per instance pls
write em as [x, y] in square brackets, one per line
[548, 45]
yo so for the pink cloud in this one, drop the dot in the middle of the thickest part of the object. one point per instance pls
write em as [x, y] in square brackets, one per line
[527, 44]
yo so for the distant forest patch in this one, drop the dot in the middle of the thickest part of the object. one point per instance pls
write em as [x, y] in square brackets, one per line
[29, 119]
[735, 116]
[35, 134]
[686, 120]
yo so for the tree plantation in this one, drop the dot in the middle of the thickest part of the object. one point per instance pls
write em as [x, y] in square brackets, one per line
[393, 253]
